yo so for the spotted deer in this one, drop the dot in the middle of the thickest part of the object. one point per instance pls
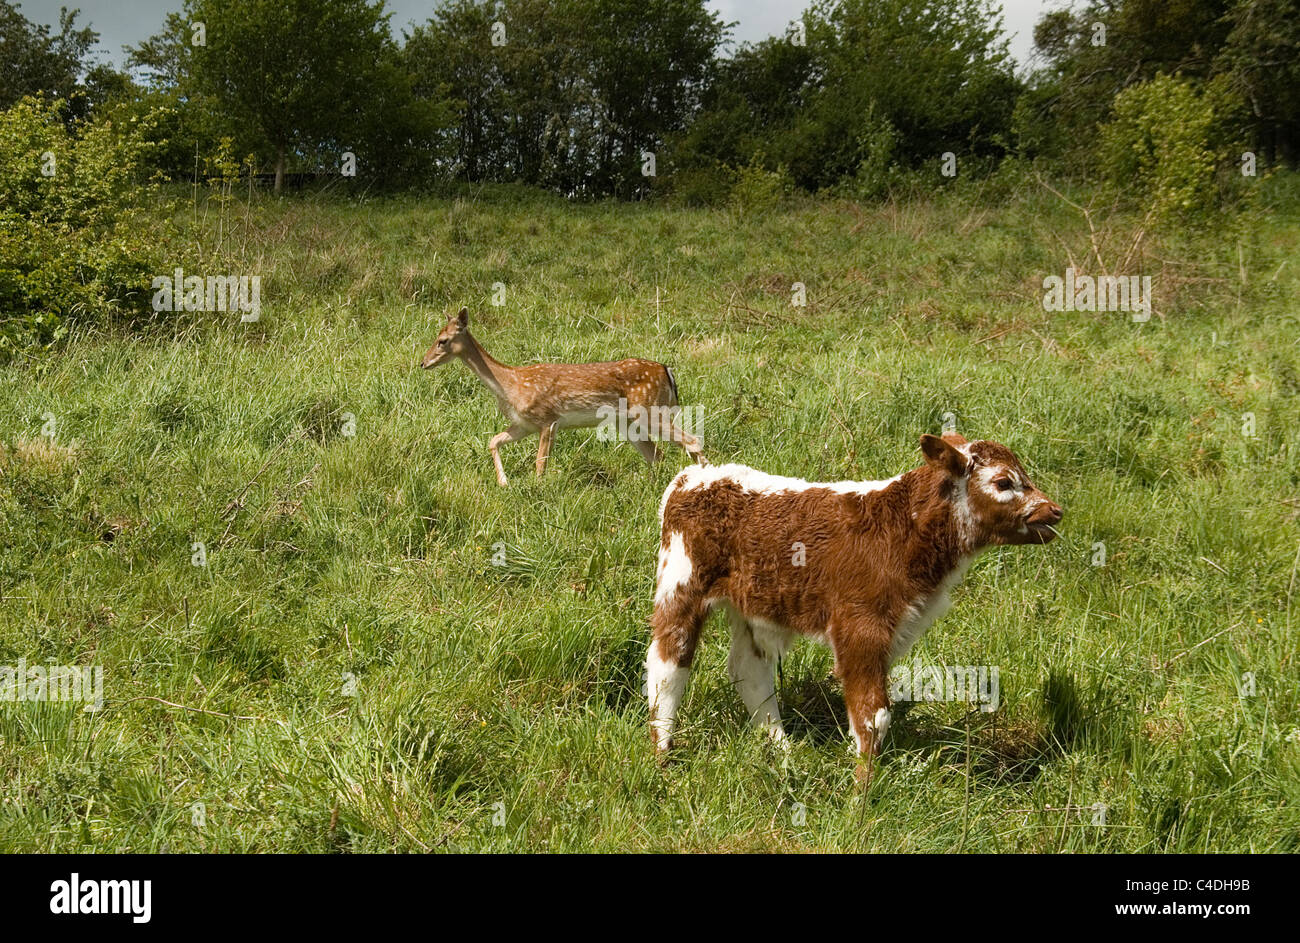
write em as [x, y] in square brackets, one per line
[539, 398]
[862, 566]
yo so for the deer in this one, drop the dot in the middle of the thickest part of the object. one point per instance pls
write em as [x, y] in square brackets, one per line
[539, 398]
[862, 566]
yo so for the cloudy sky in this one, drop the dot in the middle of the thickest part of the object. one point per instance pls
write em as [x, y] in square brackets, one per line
[122, 22]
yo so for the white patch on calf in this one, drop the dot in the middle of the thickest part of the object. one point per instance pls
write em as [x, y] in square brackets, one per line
[675, 569]
[873, 730]
[984, 476]
[882, 726]
[772, 639]
[753, 481]
[665, 685]
[922, 613]
[750, 665]
[961, 511]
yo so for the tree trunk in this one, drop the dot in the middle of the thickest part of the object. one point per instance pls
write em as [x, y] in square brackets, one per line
[279, 168]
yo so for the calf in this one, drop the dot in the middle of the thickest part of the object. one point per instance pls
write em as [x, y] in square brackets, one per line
[864, 566]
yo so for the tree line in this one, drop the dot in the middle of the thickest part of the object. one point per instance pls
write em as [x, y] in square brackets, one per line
[628, 98]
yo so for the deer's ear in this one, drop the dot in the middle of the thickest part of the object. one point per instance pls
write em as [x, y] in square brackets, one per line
[943, 455]
[462, 319]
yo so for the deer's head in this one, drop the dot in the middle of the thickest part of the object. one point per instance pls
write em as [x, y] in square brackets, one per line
[451, 342]
[1003, 504]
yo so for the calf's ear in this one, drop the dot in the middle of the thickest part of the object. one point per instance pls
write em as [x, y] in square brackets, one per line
[462, 319]
[945, 456]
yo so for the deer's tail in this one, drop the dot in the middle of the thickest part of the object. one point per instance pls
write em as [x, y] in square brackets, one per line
[672, 384]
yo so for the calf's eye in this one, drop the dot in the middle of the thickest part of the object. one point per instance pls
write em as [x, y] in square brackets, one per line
[1003, 484]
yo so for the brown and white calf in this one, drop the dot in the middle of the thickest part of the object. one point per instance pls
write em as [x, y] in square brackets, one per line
[864, 566]
[539, 398]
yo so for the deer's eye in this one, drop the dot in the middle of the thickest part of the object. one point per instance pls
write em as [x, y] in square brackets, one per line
[1003, 484]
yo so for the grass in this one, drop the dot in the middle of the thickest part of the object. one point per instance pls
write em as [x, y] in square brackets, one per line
[352, 671]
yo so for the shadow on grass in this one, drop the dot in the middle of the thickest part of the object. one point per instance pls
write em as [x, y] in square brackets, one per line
[1001, 751]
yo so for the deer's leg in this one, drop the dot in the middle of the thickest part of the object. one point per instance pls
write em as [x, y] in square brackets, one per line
[649, 451]
[641, 416]
[513, 434]
[544, 447]
[862, 664]
[751, 667]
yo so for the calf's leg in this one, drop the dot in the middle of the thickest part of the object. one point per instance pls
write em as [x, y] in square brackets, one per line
[752, 672]
[667, 673]
[862, 665]
[678, 615]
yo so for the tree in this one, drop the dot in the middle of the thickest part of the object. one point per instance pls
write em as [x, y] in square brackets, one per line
[1090, 55]
[34, 62]
[1261, 57]
[294, 76]
[647, 64]
[452, 58]
[877, 83]
[571, 91]
[936, 77]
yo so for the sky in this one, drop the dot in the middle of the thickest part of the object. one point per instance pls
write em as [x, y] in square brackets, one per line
[127, 22]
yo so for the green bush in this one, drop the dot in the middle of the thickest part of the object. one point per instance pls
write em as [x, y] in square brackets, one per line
[877, 145]
[757, 189]
[76, 243]
[1159, 147]
[701, 186]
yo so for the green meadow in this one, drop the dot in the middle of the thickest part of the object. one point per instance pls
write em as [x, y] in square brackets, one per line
[377, 649]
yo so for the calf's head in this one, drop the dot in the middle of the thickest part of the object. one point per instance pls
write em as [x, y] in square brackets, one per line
[450, 343]
[1004, 505]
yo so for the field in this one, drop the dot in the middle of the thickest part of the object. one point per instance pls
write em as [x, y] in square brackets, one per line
[384, 651]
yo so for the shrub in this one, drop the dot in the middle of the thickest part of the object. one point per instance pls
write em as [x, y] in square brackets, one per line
[757, 189]
[1159, 144]
[75, 241]
[700, 186]
[877, 143]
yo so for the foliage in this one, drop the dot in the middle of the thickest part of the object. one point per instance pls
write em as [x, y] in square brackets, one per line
[304, 81]
[34, 61]
[1158, 148]
[76, 242]
[1089, 55]
[1261, 59]
[573, 93]
[756, 189]
[879, 83]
